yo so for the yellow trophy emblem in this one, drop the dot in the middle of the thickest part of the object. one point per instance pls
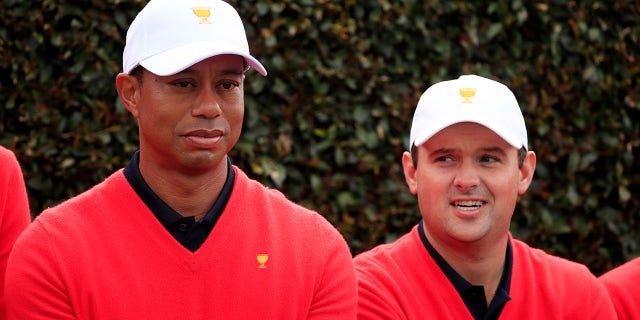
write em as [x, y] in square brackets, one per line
[467, 94]
[203, 13]
[262, 259]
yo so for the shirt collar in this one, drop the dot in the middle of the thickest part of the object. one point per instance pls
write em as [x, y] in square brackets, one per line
[461, 285]
[165, 214]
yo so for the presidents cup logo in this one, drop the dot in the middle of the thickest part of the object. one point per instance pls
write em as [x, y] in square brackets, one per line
[467, 94]
[203, 13]
[262, 260]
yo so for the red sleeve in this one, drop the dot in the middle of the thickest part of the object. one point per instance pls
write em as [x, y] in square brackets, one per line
[36, 290]
[623, 285]
[601, 306]
[374, 302]
[335, 297]
[14, 211]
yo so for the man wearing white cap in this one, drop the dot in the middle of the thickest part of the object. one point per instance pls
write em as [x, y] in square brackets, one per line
[469, 162]
[181, 233]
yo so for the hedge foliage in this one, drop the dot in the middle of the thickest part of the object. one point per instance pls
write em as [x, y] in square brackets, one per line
[330, 122]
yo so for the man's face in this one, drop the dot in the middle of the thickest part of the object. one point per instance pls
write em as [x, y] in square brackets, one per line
[189, 121]
[467, 181]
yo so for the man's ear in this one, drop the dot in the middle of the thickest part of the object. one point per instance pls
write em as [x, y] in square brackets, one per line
[409, 172]
[128, 88]
[526, 172]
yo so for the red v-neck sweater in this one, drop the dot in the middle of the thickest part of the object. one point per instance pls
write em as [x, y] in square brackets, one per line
[103, 255]
[401, 281]
[623, 285]
[14, 211]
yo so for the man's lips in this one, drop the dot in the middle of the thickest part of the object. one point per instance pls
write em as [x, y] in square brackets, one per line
[204, 138]
[468, 204]
[204, 133]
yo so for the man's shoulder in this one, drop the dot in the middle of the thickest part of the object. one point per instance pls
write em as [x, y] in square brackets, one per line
[75, 210]
[536, 259]
[249, 192]
[628, 272]
[275, 207]
[556, 285]
[7, 156]
[393, 253]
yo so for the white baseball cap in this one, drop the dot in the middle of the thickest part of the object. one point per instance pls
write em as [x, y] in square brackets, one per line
[168, 36]
[470, 98]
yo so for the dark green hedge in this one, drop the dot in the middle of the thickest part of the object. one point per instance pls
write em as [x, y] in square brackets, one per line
[329, 123]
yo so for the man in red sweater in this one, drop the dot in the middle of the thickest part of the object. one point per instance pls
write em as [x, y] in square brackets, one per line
[623, 285]
[180, 232]
[469, 161]
[14, 211]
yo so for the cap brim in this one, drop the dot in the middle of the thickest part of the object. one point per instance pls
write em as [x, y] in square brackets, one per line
[491, 125]
[177, 59]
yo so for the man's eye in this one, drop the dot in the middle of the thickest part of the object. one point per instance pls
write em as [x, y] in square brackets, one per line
[227, 85]
[444, 159]
[488, 159]
[183, 84]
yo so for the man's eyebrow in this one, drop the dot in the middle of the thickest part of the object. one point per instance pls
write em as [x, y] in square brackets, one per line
[442, 151]
[233, 72]
[230, 71]
[494, 150]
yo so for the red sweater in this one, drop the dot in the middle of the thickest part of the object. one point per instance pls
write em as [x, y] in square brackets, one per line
[14, 211]
[104, 255]
[401, 281]
[623, 285]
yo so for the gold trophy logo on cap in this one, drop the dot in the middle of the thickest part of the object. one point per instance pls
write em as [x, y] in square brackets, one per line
[467, 94]
[203, 13]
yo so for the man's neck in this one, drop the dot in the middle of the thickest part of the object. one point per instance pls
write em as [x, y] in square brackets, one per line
[189, 195]
[481, 264]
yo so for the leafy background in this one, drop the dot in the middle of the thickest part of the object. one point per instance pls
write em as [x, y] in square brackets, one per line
[330, 122]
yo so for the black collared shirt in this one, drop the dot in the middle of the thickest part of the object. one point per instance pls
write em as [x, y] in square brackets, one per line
[472, 295]
[189, 232]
